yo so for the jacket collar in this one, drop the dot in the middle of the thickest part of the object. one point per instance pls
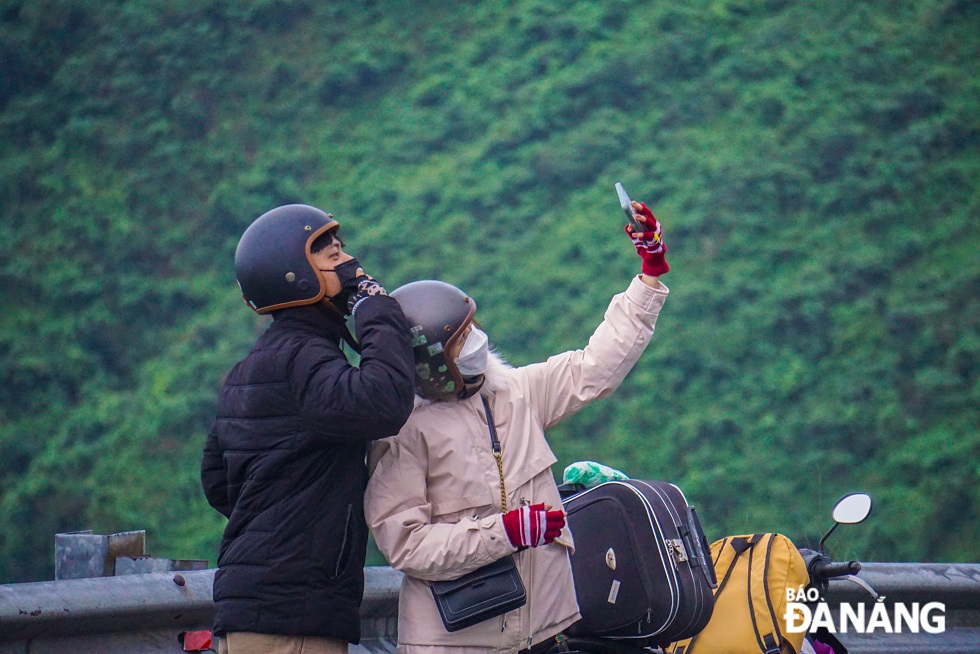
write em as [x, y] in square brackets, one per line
[318, 320]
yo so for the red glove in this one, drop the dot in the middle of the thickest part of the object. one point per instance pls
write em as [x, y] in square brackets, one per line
[530, 526]
[649, 244]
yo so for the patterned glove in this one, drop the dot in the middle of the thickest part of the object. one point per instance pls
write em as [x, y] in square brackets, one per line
[531, 526]
[366, 287]
[649, 244]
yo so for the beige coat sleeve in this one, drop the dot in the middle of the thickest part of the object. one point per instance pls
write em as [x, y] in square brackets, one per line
[400, 519]
[566, 382]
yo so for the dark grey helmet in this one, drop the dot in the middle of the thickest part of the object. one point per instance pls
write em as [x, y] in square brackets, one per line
[273, 263]
[438, 314]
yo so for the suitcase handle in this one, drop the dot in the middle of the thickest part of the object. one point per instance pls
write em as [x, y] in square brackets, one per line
[565, 491]
[697, 544]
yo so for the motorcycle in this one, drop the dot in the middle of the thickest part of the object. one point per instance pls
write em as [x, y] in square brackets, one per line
[850, 509]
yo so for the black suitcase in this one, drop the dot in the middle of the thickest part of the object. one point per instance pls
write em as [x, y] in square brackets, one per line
[641, 565]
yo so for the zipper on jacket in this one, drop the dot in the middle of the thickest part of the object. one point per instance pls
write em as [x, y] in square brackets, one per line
[343, 544]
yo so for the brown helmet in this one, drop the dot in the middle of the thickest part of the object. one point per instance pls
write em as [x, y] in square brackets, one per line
[273, 263]
[438, 314]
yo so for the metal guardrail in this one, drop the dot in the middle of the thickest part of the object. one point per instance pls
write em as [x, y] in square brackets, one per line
[955, 585]
[145, 613]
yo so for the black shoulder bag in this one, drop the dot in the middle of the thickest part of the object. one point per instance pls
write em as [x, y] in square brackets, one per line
[489, 591]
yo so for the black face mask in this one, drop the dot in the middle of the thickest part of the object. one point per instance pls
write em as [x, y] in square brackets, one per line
[347, 272]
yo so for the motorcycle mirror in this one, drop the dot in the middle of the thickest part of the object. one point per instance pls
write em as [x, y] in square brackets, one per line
[852, 508]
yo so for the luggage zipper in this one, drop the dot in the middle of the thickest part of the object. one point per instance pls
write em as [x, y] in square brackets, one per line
[639, 623]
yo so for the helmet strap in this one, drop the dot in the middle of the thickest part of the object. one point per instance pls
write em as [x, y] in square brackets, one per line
[327, 308]
[472, 386]
[347, 274]
[333, 309]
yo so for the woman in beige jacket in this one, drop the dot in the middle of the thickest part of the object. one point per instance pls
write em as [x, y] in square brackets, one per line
[433, 501]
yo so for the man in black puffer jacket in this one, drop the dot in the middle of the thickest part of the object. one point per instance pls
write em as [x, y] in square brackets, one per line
[285, 458]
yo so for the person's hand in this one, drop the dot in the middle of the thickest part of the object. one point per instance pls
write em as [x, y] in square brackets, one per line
[649, 243]
[534, 525]
[366, 287]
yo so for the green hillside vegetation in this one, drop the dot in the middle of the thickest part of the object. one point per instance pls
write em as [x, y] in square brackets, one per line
[815, 165]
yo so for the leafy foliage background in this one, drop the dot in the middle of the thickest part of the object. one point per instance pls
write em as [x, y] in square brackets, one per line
[815, 165]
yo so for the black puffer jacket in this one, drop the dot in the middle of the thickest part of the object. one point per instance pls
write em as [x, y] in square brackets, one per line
[284, 462]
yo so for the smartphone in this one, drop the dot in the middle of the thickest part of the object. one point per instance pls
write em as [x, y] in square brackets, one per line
[627, 205]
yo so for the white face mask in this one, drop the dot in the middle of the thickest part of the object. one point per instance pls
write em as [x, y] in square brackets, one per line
[472, 359]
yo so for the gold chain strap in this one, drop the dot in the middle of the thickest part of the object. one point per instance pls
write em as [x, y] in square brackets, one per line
[497, 454]
[503, 491]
